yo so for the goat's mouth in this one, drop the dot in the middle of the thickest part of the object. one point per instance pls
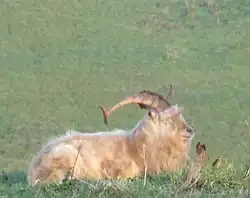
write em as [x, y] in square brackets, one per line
[188, 134]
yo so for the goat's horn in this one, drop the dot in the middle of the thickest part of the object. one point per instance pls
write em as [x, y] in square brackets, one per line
[146, 99]
[105, 114]
[162, 101]
[170, 91]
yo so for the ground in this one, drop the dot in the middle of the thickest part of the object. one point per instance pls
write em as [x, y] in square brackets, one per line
[60, 59]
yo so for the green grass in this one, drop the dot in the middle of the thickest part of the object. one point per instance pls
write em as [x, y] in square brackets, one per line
[60, 59]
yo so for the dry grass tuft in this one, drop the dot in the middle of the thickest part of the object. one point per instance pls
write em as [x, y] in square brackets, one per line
[194, 171]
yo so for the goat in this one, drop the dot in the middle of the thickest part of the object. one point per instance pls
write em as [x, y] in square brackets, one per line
[160, 141]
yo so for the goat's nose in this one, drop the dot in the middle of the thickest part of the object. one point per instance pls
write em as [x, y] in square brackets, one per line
[189, 130]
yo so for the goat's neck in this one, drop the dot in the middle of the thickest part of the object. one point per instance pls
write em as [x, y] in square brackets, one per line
[162, 152]
[143, 130]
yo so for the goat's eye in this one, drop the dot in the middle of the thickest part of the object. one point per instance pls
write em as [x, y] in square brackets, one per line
[189, 130]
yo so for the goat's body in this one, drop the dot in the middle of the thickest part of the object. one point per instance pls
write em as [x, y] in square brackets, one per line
[159, 142]
[88, 155]
[117, 155]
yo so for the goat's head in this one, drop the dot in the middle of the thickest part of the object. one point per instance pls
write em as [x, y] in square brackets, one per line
[170, 121]
[166, 119]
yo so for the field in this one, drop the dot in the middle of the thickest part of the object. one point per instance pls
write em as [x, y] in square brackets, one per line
[60, 59]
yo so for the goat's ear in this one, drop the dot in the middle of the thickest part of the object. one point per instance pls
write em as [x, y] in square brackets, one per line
[175, 111]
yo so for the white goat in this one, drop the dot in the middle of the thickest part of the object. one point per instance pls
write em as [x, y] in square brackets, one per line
[159, 142]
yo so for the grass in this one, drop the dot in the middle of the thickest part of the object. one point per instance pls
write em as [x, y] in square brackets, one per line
[60, 59]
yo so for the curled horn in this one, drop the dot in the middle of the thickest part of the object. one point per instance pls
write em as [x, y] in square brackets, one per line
[145, 99]
[142, 106]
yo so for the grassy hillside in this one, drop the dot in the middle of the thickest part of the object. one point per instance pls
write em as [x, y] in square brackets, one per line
[60, 59]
